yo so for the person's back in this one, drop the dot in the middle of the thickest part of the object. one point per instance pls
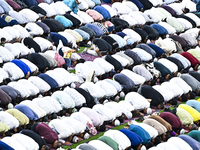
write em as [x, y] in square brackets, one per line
[109, 141]
[192, 142]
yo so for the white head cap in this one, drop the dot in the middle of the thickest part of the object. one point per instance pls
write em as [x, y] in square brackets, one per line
[95, 79]
[178, 74]
[199, 128]
[10, 106]
[89, 42]
[86, 136]
[117, 98]
[149, 111]
[105, 101]
[75, 139]
[148, 41]
[182, 131]
[143, 147]
[198, 68]
[191, 69]
[73, 85]
[122, 94]
[117, 122]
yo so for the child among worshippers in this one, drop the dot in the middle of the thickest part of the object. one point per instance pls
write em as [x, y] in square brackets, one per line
[67, 56]
[3, 41]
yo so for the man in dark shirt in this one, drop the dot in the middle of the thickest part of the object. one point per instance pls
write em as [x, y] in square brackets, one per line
[37, 138]
[50, 136]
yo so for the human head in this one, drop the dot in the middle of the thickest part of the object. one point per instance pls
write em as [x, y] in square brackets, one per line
[193, 127]
[191, 95]
[10, 106]
[121, 119]
[173, 101]
[156, 140]
[148, 111]
[149, 145]
[135, 113]
[77, 2]
[183, 98]
[101, 128]
[161, 106]
[45, 147]
[3, 40]
[116, 122]
[57, 144]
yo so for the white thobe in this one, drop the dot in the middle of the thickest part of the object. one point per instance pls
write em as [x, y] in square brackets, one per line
[115, 84]
[172, 87]
[168, 27]
[23, 32]
[109, 89]
[23, 49]
[34, 29]
[131, 5]
[167, 145]
[29, 15]
[40, 84]
[13, 49]
[78, 126]
[95, 117]
[5, 54]
[76, 96]
[32, 88]
[182, 84]
[111, 11]
[131, 33]
[39, 111]
[64, 130]
[31, 65]
[99, 145]
[151, 130]
[13, 70]
[136, 78]
[64, 73]
[98, 70]
[121, 8]
[50, 11]
[57, 77]
[64, 99]
[104, 64]
[16, 15]
[54, 103]
[44, 104]
[117, 136]
[12, 31]
[96, 91]
[145, 56]
[138, 17]
[26, 141]
[164, 92]
[107, 113]
[168, 64]
[13, 143]
[9, 120]
[179, 143]
[21, 88]
[137, 101]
